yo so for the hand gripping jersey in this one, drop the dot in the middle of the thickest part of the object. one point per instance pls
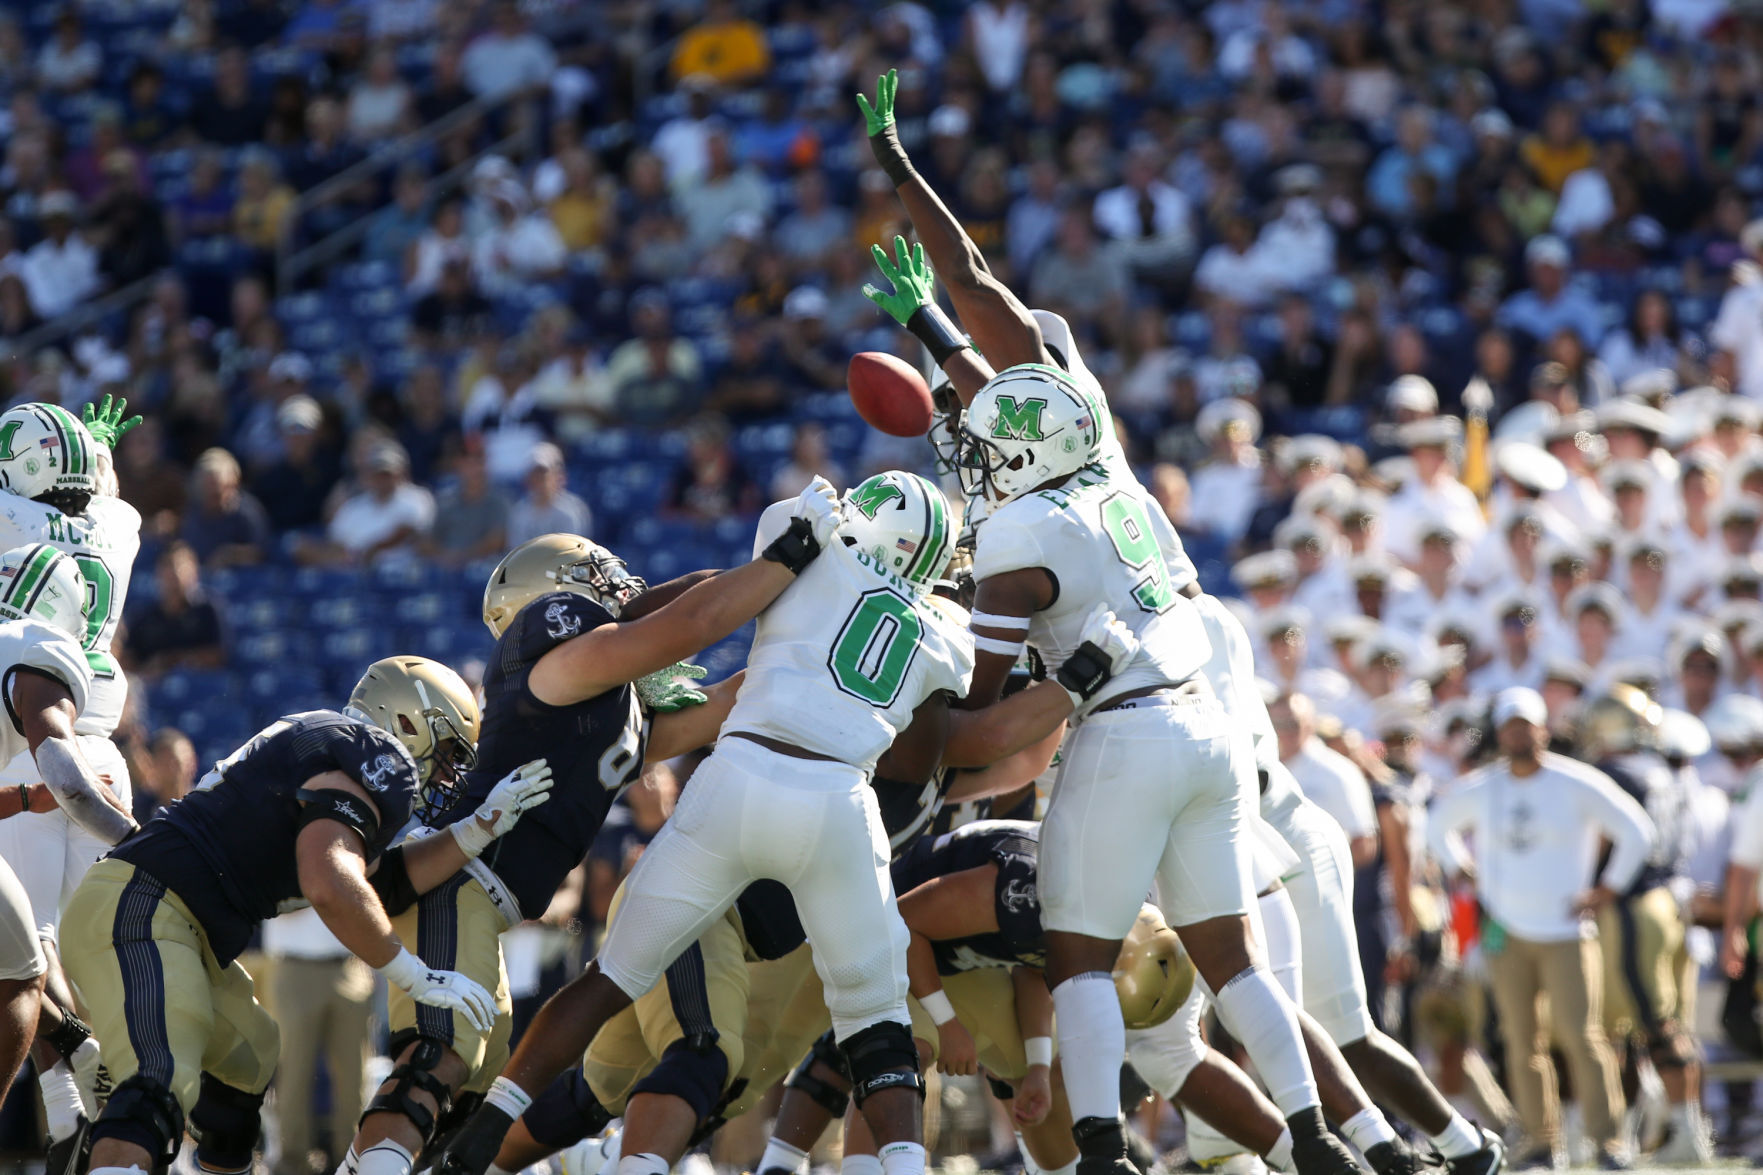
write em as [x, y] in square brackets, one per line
[227, 848]
[595, 749]
[103, 541]
[1012, 845]
[32, 646]
[845, 655]
[1095, 536]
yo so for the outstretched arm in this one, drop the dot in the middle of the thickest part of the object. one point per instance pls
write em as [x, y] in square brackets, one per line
[46, 715]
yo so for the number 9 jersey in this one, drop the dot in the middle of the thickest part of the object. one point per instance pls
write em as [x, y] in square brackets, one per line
[1095, 535]
[845, 655]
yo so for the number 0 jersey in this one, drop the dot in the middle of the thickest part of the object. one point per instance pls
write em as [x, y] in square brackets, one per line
[595, 749]
[845, 655]
[1097, 539]
[103, 541]
[227, 848]
[33, 646]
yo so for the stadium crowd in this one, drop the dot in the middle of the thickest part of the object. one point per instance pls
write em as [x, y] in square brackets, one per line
[1434, 327]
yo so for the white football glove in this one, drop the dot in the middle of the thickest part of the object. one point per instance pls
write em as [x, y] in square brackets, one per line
[442, 989]
[820, 505]
[520, 791]
[1111, 637]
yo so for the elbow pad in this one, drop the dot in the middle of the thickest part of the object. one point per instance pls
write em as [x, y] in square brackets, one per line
[392, 882]
[75, 788]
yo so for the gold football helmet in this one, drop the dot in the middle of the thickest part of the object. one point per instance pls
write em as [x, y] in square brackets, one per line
[556, 563]
[1624, 719]
[429, 708]
[1153, 974]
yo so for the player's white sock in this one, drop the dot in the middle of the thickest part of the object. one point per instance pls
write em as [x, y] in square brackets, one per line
[351, 1163]
[1368, 1128]
[385, 1158]
[1686, 1114]
[645, 1163]
[62, 1106]
[860, 1165]
[1279, 1156]
[780, 1154]
[1069, 1169]
[902, 1158]
[84, 1062]
[1457, 1139]
[1258, 1013]
[1092, 1041]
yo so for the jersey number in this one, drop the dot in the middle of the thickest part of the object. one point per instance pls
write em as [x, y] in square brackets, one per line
[622, 762]
[101, 593]
[875, 648]
[1130, 531]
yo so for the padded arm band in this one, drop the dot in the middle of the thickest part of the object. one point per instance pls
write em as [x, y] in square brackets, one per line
[75, 788]
[330, 804]
[930, 326]
[392, 882]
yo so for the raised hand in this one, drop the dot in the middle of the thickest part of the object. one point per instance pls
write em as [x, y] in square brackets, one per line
[915, 285]
[664, 692]
[880, 117]
[107, 425]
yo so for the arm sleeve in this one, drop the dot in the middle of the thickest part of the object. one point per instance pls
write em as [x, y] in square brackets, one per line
[75, 788]
[1007, 546]
[1627, 825]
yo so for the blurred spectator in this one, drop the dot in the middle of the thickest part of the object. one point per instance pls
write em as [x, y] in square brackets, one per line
[522, 249]
[749, 382]
[264, 204]
[127, 225]
[1550, 303]
[444, 241]
[61, 270]
[446, 90]
[1559, 149]
[728, 188]
[1234, 269]
[656, 377]
[547, 507]
[205, 206]
[293, 489]
[428, 428]
[68, 62]
[380, 103]
[181, 628]
[509, 57]
[147, 117]
[722, 45]
[630, 826]
[1415, 150]
[1080, 280]
[89, 169]
[1149, 218]
[16, 316]
[455, 313]
[400, 20]
[711, 482]
[1033, 218]
[224, 525]
[230, 115]
[174, 765]
[1739, 358]
[583, 212]
[398, 227]
[812, 359]
[385, 519]
[999, 31]
[1329, 778]
[471, 515]
[570, 387]
[1651, 340]
[321, 152]
[682, 143]
[808, 459]
[816, 227]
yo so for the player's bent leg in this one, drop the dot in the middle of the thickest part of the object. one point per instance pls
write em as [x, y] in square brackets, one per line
[403, 1114]
[815, 1093]
[22, 968]
[225, 1122]
[888, 1091]
[20, 1000]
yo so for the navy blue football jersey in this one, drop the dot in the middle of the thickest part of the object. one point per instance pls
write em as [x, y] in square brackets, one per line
[227, 848]
[595, 749]
[1013, 846]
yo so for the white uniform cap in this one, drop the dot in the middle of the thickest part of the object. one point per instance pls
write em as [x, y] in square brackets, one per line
[1530, 421]
[1648, 385]
[1633, 414]
[1735, 720]
[1283, 618]
[1349, 628]
[1737, 409]
[1214, 416]
[1569, 669]
[1265, 567]
[1646, 674]
[1301, 528]
[1434, 430]
[1519, 702]
[1398, 715]
[1570, 425]
[1739, 508]
[1329, 496]
[1738, 614]
[1310, 449]
[1748, 566]
[1708, 460]
[1370, 566]
[1394, 472]
[1530, 466]
[1412, 393]
[1377, 645]
[1682, 735]
[1595, 595]
[1632, 472]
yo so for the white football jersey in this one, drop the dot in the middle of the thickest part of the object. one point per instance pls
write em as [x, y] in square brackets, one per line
[31, 644]
[104, 542]
[1097, 539]
[845, 655]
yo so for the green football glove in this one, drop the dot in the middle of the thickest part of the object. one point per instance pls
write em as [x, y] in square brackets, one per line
[915, 286]
[881, 116]
[107, 425]
[664, 692]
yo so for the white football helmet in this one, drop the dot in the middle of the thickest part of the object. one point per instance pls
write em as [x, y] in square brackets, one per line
[48, 455]
[1030, 424]
[38, 582]
[900, 520]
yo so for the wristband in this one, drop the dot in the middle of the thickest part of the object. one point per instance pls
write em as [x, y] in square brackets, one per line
[1084, 672]
[470, 836]
[403, 969]
[1038, 1050]
[24, 799]
[508, 1097]
[795, 548]
[890, 156]
[991, 644]
[936, 1005]
[930, 326]
[998, 620]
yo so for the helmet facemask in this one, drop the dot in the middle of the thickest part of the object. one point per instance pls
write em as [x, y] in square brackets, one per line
[442, 769]
[603, 576]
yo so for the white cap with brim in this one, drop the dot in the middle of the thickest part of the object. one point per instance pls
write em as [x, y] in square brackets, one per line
[1530, 421]
[1412, 393]
[1530, 466]
[1310, 449]
[1683, 736]
[1437, 431]
[1520, 702]
[1633, 414]
[1264, 568]
[1214, 417]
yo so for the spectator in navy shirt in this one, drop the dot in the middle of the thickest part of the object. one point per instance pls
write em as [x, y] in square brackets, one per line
[181, 629]
[223, 524]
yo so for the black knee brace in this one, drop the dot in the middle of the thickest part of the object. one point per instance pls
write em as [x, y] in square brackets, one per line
[143, 1112]
[882, 1056]
[693, 1075]
[1670, 1047]
[225, 1124]
[416, 1073]
[565, 1112]
[826, 1054]
[69, 1035]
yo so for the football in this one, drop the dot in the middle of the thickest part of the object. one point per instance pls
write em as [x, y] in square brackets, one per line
[889, 394]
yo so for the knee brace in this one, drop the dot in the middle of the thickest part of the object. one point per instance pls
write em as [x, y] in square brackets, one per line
[1670, 1047]
[414, 1074]
[143, 1112]
[693, 1075]
[882, 1056]
[826, 1053]
[225, 1124]
[565, 1112]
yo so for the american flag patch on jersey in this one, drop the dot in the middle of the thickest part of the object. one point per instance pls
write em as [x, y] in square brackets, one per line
[906, 545]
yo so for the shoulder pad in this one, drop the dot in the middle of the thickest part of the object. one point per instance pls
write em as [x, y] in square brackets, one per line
[772, 522]
[49, 650]
[1008, 542]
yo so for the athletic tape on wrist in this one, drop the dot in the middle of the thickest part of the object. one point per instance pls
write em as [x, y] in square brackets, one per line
[936, 1005]
[1038, 1050]
[508, 1097]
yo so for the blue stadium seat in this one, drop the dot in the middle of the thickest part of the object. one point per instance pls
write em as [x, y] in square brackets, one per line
[191, 687]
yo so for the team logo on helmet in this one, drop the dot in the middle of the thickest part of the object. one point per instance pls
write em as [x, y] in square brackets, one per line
[1019, 420]
[873, 494]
